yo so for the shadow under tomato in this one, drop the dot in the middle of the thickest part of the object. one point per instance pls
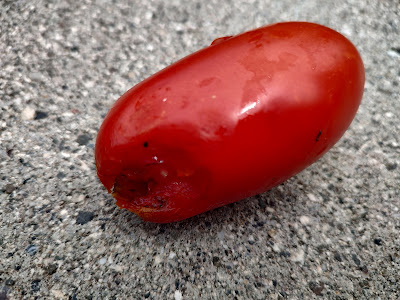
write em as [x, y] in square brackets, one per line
[246, 212]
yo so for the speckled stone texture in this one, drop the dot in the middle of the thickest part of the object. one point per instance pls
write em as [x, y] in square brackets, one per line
[331, 232]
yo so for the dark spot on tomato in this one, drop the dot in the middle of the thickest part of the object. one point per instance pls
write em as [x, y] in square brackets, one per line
[207, 81]
[145, 144]
[318, 135]
[159, 202]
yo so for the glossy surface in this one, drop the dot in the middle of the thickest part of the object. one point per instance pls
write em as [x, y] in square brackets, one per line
[229, 121]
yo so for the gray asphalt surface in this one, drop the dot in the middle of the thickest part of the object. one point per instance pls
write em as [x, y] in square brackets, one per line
[331, 232]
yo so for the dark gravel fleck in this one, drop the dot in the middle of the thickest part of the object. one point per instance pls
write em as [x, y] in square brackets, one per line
[10, 152]
[391, 166]
[262, 203]
[321, 248]
[31, 249]
[10, 282]
[60, 175]
[316, 288]
[9, 188]
[26, 180]
[364, 269]
[396, 49]
[283, 294]
[260, 223]
[285, 253]
[83, 139]
[41, 115]
[51, 269]
[35, 285]
[364, 283]
[378, 241]
[356, 260]
[84, 217]
[337, 256]
[215, 260]
[3, 294]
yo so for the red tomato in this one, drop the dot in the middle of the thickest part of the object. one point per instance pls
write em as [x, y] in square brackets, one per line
[229, 121]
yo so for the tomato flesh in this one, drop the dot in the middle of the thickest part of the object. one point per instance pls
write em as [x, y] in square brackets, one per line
[229, 121]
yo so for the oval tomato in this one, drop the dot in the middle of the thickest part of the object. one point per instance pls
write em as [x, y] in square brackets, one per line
[229, 121]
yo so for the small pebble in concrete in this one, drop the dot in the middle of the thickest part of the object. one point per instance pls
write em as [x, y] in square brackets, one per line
[35, 285]
[28, 113]
[9, 188]
[178, 295]
[84, 217]
[316, 288]
[41, 115]
[83, 139]
[31, 249]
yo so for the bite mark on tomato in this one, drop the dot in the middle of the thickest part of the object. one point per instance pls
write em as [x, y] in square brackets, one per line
[159, 187]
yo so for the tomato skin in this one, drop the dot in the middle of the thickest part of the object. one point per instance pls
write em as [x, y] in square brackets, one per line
[229, 121]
